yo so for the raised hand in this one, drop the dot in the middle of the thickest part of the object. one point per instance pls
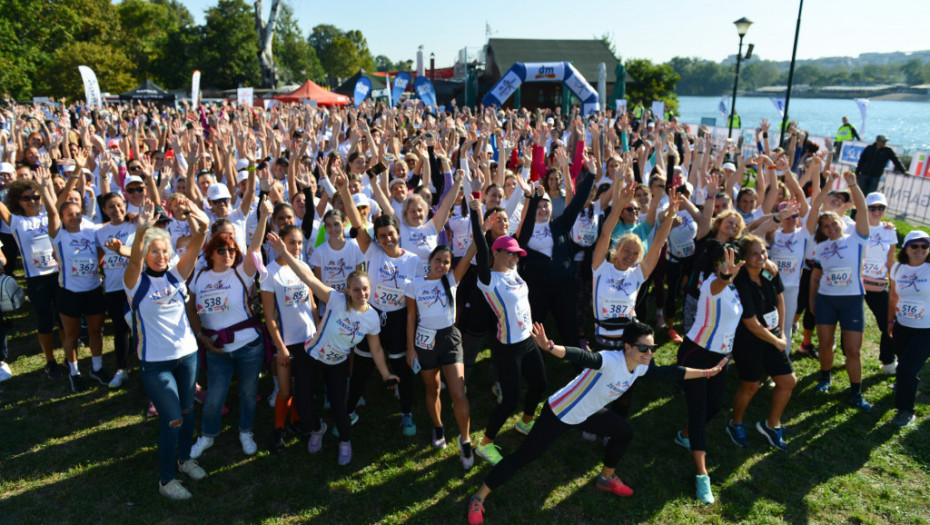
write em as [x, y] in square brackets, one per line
[729, 259]
[146, 218]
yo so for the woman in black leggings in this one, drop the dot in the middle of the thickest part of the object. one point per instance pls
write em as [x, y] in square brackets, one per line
[581, 404]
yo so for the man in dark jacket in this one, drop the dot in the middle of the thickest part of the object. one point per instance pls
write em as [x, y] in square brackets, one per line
[872, 164]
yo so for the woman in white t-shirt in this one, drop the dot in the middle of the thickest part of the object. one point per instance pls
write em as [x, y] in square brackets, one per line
[291, 318]
[434, 343]
[335, 259]
[165, 343]
[909, 321]
[349, 319]
[878, 260]
[226, 328]
[710, 338]
[836, 290]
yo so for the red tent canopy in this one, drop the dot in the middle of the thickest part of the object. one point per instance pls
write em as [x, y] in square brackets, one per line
[311, 91]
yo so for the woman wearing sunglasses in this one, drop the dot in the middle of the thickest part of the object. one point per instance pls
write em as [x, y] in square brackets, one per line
[581, 404]
[909, 321]
[879, 258]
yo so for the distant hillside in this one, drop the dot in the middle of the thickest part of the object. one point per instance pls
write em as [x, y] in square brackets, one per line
[849, 63]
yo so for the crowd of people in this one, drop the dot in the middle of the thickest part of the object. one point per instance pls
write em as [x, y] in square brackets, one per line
[322, 244]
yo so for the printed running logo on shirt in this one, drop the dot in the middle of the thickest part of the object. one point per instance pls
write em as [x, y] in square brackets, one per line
[619, 387]
[512, 282]
[788, 244]
[387, 273]
[347, 327]
[876, 241]
[417, 238]
[336, 268]
[910, 281]
[621, 285]
[432, 296]
[541, 233]
[218, 285]
[834, 250]
[41, 229]
[79, 244]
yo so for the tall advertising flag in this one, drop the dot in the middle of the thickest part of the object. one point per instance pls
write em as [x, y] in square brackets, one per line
[401, 81]
[362, 89]
[91, 87]
[863, 104]
[195, 89]
[425, 91]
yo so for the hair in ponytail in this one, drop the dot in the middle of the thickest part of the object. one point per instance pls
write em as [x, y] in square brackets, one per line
[445, 277]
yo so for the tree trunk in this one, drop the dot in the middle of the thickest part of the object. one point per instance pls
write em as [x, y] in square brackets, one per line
[265, 40]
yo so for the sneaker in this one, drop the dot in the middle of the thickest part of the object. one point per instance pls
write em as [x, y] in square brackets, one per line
[490, 452]
[673, 335]
[702, 489]
[407, 427]
[353, 419]
[297, 428]
[119, 378]
[439, 438]
[890, 369]
[775, 436]
[344, 455]
[682, 441]
[52, 370]
[315, 443]
[524, 428]
[475, 511]
[808, 350]
[587, 436]
[102, 376]
[737, 434]
[660, 321]
[903, 418]
[273, 397]
[192, 469]
[151, 411]
[77, 383]
[174, 490]
[277, 440]
[202, 444]
[200, 394]
[248, 443]
[859, 402]
[496, 390]
[614, 485]
[823, 385]
[466, 455]
[5, 372]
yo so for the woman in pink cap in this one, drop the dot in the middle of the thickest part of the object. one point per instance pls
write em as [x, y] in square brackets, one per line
[513, 350]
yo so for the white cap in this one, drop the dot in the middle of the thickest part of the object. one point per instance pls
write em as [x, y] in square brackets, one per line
[550, 121]
[397, 180]
[242, 164]
[729, 166]
[916, 235]
[217, 191]
[689, 187]
[131, 179]
[241, 176]
[876, 198]
[6, 167]
[67, 168]
[359, 199]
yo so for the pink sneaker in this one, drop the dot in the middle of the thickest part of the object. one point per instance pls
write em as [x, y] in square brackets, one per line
[150, 411]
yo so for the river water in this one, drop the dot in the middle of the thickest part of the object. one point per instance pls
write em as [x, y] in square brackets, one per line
[906, 124]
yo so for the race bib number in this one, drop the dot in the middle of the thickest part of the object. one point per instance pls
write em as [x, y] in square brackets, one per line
[388, 296]
[83, 267]
[839, 277]
[686, 249]
[42, 254]
[213, 302]
[425, 338]
[786, 265]
[615, 307]
[114, 262]
[330, 354]
[771, 319]
[586, 236]
[911, 310]
[727, 345]
[874, 269]
[296, 295]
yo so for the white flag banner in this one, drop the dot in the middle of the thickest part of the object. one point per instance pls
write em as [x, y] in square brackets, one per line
[245, 96]
[387, 86]
[722, 106]
[621, 106]
[195, 89]
[91, 87]
[779, 104]
[863, 104]
[658, 110]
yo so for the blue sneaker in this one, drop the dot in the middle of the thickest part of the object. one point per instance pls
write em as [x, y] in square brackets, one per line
[682, 441]
[406, 425]
[857, 401]
[823, 386]
[703, 492]
[775, 436]
[737, 434]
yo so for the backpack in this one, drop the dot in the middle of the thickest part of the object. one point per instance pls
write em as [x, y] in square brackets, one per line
[12, 296]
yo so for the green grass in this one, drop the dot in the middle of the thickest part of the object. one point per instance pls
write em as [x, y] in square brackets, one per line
[91, 458]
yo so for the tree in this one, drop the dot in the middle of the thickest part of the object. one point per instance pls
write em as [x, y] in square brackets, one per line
[266, 39]
[700, 77]
[112, 66]
[913, 71]
[229, 46]
[157, 36]
[653, 82]
[297, 60]
[383, 63]
[759, 74]
[341, 53]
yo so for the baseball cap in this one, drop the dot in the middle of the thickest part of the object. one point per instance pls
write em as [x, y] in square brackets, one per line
[508, 243]
[241, 176]
[729, 166]
[875, 198]
[359, 199]
[6, 167]
[881, 138]
[217, 191]
[242, 164]
[916, 235]
[131, 179]
[397, 181]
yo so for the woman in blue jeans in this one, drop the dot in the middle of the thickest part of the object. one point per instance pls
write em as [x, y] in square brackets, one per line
[226, 327]
[165, 342]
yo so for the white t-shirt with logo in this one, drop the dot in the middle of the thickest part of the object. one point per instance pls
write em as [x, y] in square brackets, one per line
[615, 294]
[841, 261]
[881, 239]
[435, 309]
[460, 226]
[336, 265]
[787, 251]
[35, 245]
[292, 299]
[592, 389]
[78, 255]
[221, 303]
[912, 284]
[717, 318]
[114, 264]
[508, 295]
[161, 319]
[541, 240]
[389, 277]
[681, 237]
[341, 329]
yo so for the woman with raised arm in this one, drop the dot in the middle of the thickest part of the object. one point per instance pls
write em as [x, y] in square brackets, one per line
[335, 259]
[226, 327]
[836, 289]
[581, 404]
[348, 320]
[434, 343]
[164, 340]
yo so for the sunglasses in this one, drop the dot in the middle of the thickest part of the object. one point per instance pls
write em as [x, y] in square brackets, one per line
[135, 168]
[632, 209]
[508, 252]
[643, 349]
[32, 198]
[876, 208]
[219, 202]
[920, 246]
[225, 251]
[138, 189]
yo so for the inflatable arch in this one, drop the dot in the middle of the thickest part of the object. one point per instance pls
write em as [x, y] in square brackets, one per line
[543, 72]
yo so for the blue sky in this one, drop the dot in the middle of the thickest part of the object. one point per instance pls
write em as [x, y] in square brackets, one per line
[654, 30]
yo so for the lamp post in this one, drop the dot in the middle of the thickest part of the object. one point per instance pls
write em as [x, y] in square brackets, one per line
[742, 26]
[794, 53]
[432, 67]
